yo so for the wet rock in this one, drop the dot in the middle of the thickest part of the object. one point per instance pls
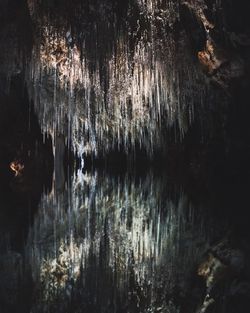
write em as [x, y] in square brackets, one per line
[224, 272]
[234, 258]
[17, 167]
[207, 304]
[213, 271]
[221, 58]
[211, 59]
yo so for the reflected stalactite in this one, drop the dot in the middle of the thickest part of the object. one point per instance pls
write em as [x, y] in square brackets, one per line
[116, 234]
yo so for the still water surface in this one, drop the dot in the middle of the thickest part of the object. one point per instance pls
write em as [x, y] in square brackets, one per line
[114, 244]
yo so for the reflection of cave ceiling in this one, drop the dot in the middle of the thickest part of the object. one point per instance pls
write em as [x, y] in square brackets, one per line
[117, 226]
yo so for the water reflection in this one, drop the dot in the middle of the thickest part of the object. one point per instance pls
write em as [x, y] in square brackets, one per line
[110, 244]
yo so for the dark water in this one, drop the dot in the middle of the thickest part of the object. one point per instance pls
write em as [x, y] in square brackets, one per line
[102, 243]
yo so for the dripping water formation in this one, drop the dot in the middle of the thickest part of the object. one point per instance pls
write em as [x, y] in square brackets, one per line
[124, 156]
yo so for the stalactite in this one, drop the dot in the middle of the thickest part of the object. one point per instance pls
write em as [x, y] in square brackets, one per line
[142, 83]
